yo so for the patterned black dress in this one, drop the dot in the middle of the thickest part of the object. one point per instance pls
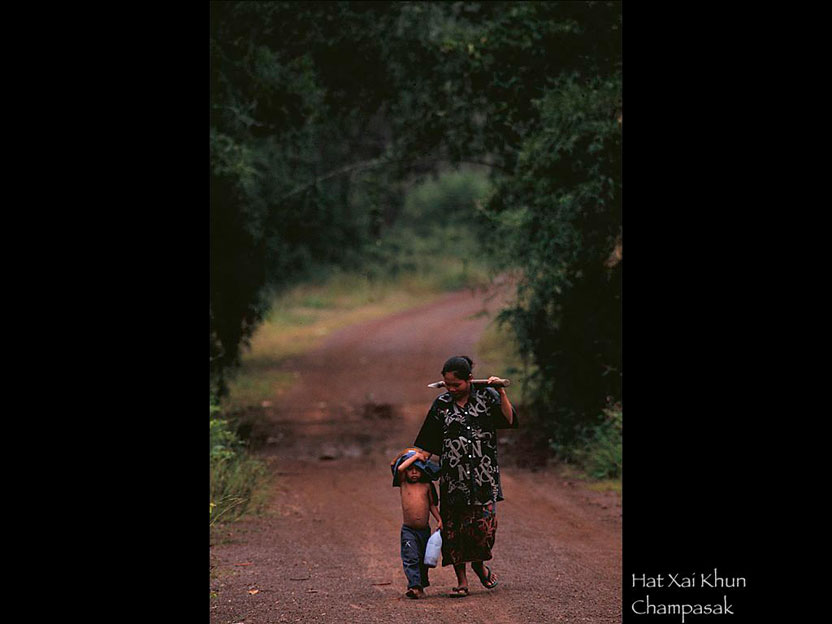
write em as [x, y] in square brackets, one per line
[469, 484]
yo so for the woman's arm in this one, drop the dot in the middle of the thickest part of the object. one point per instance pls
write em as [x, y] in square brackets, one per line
[505, 404]
[430, 435]
[434, 511]
[396, 458]
[424, 455]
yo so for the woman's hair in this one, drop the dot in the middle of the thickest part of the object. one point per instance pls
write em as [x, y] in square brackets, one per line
[459, 365]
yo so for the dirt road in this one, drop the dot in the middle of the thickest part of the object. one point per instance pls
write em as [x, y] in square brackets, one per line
[327, 548]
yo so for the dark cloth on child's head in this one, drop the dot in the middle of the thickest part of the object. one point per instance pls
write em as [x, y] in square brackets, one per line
[430, 470]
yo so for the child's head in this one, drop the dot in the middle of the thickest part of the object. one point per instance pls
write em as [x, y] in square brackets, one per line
[414, 474]
[417, 471]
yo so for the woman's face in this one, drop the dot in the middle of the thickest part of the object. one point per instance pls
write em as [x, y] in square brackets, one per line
[458, 388]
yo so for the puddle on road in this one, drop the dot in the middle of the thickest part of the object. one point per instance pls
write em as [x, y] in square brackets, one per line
[382, 411]
[334, 432]
[330, 432]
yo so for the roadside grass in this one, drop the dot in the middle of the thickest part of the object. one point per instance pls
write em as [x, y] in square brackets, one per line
[238, 487]
[571, 471]
[239, 480]
[606, 485]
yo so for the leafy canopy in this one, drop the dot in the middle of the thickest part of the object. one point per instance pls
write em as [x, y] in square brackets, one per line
[321, 112]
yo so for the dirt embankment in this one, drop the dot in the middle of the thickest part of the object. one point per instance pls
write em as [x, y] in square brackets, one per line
[327, 547]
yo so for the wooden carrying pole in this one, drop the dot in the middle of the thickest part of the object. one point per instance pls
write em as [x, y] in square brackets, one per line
[499, 383]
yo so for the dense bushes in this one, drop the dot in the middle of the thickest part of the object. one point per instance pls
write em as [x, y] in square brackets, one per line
[561, 219]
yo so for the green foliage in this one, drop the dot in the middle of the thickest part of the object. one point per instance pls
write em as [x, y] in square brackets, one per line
[448, 201]
[562, 217]
[322, 114]
[286, 112]
[601, 454]
[238, 480]
[435, 236]
[224, 442]
[470, 72]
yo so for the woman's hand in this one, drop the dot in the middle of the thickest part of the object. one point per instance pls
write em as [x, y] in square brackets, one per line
[493, 379]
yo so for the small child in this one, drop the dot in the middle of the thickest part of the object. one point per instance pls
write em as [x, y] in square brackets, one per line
[414, 475]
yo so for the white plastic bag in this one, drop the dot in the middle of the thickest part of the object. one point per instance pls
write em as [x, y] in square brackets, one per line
[433, 550]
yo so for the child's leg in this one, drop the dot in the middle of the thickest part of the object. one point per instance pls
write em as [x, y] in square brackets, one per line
[424, 536]
[411, 561]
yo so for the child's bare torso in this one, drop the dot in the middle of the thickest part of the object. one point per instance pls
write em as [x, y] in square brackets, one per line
[415, 504]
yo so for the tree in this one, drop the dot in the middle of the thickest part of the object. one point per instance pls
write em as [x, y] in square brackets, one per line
[562, 212]
[287, 115]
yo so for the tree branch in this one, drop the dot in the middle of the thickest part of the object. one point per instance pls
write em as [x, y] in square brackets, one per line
[367, 164]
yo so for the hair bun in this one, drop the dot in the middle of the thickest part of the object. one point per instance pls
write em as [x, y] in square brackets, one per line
[460, 365]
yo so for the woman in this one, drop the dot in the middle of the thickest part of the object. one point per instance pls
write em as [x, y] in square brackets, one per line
[461, 427]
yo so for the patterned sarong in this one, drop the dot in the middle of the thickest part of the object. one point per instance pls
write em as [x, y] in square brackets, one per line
[468, 533]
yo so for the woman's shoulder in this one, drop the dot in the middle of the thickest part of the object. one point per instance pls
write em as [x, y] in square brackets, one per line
[439, 406]
[443, 400]
[488, 393]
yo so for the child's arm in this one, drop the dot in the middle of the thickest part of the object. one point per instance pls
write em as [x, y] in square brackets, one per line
[434, 511]
[406, 463]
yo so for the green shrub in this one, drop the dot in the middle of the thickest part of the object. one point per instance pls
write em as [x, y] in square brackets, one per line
[435, 238]
[601, 455]
[447, 202]
[238, 480]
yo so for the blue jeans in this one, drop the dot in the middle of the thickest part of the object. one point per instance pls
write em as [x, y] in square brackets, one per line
[414, 542]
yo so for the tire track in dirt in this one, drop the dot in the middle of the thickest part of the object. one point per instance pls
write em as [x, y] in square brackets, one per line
[327, 547]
